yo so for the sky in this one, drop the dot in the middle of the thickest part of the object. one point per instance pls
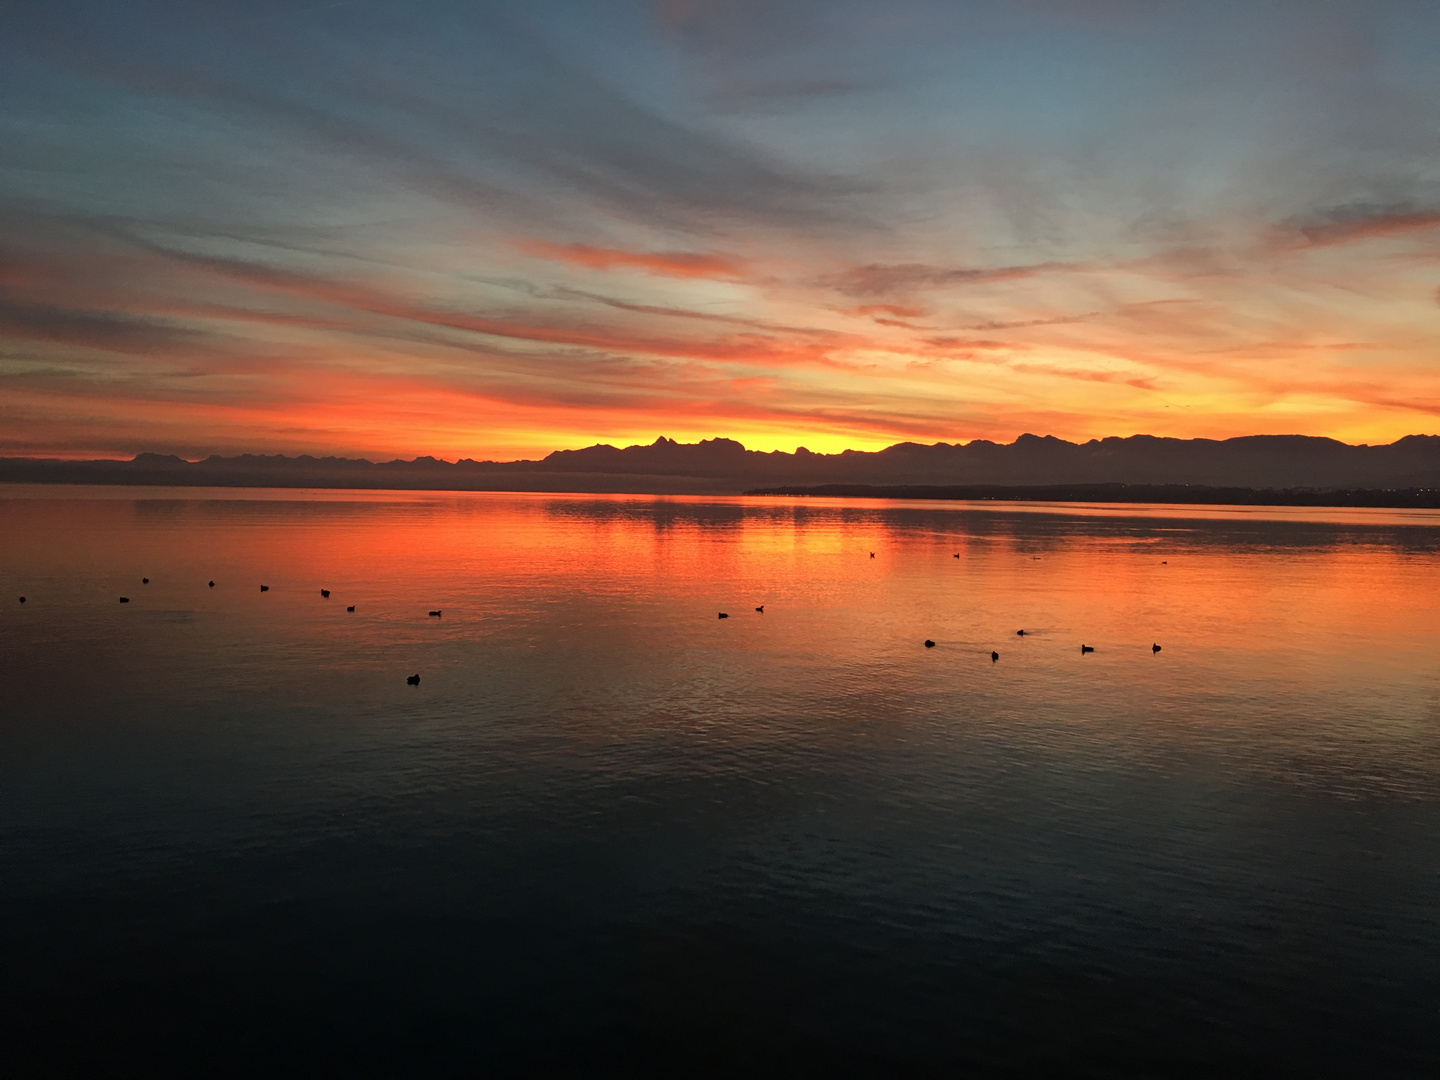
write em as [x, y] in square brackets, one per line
[383, 229]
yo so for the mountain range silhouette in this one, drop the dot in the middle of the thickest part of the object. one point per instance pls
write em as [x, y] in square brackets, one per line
[713, 466]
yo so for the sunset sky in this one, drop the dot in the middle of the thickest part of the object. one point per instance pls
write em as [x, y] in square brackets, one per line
[395, 228]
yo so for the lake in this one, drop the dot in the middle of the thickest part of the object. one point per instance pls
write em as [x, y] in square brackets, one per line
[611, 833]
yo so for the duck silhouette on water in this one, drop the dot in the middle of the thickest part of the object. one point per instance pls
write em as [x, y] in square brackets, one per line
[413, 680]
[325, 593]
[212, 584]
[22, 599]
[124, 599]
[761, 609]
[435, 614]
[144, 581]
[994, 656]
[350, 608]
[1086, 648]
[1154, 649]
[1019, 633]
[724, 614]
[264, 588]
[929, 644]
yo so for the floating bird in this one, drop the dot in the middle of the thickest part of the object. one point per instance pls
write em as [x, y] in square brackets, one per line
[22, 599]
[929, 644]
[956, 555]
[1019, 633]
[1086, 648]
[761, 609]
[1164, 562]
[724, 614]
[994, 656]
[144, 581]
[872, 554]
[325, 593]
[264, 588]
[350, 608]
[435, 614]
[124, 599]
[212, 584]
[1154, 648]
[413, 680]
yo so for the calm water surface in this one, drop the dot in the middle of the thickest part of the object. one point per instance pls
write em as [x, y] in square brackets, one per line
[609, 833]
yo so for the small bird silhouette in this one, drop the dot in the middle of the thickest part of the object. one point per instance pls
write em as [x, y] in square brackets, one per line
[350, 608]
[994, 656]
[435, 614]
[1086, 648]
[212, 584]
[1154, 648]
[872, 554]
[22, 599]
[413, 680]
[264, 588]
[1019, 633]
[761, 609]
[956, 555]
[325, 593]
[124, 599]
[929, 644]
[724, 614]
[144, 581]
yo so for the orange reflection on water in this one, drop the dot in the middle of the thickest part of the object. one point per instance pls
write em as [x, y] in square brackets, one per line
[609, 605]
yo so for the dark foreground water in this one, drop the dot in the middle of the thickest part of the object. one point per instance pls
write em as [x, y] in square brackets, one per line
[609, 833]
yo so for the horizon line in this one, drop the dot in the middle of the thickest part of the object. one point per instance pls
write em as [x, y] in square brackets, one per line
[666, 440]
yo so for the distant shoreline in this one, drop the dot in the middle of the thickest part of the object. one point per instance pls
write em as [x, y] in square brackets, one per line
[1281, 470]
[1189, 494]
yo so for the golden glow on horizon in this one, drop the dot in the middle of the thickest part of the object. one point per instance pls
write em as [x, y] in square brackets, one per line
[271, 363]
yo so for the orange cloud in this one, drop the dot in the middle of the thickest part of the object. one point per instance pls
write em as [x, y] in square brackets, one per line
[1369, 227]
[898, 311]
[680, 264]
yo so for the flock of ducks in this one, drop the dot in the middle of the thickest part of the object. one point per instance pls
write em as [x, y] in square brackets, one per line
[414, 680]
[929, 644]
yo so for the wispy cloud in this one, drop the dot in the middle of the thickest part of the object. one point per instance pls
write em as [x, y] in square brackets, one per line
[1353, 224]
[680, 264]
[900, 279]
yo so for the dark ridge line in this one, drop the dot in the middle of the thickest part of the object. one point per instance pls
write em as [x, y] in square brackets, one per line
[1286, 464]
[1188, 494]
